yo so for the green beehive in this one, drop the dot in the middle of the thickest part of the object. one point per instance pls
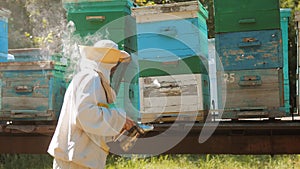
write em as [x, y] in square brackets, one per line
[189, 65]
[246, 15]
[111, 19]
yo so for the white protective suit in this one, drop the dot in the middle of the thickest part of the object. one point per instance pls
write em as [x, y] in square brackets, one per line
[85, 124]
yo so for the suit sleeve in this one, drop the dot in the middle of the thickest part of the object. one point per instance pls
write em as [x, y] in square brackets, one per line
[93, 119]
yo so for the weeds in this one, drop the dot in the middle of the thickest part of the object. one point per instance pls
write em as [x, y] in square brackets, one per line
[24, 161]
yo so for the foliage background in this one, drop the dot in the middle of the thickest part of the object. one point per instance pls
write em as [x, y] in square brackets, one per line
[34, 22]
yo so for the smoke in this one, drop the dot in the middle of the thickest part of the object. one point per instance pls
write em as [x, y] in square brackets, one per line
[48, 20]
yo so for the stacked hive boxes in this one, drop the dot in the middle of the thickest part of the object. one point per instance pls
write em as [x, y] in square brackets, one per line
[4, 14]
[110, 19]
[29, 87]
[172, 54]
[249, 44]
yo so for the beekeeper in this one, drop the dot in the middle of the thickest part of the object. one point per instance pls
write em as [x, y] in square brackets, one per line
[87, 120]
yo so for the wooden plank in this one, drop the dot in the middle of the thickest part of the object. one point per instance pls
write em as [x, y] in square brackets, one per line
[29, 54]
[173, 104]
[253, 98]
[158, 17]
[24, 51]
[31, 114]
[173, 116]
[32, 129]
[172, 109]
[35, 88]
[190, 79]
[23, 103]
[16, 66]
[170, 89]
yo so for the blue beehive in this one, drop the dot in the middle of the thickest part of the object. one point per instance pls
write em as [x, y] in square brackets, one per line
[4, 14]
[165, 31]
[250, 50]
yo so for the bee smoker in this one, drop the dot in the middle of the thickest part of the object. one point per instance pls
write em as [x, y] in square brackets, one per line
[127, 139]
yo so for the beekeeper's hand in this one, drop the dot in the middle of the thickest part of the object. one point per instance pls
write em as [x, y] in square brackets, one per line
[128, 124]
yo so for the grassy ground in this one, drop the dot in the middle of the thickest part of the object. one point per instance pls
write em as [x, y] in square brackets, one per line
[165, 162]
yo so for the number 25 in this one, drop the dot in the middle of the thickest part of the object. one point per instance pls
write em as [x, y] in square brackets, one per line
[229, 77]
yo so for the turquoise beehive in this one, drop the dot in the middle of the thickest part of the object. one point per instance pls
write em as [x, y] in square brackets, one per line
[4, 14]
[285, 13]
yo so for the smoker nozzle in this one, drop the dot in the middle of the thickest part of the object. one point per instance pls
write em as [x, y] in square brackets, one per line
[128, 138]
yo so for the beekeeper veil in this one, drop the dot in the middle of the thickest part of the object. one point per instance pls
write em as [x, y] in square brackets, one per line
[104, 56]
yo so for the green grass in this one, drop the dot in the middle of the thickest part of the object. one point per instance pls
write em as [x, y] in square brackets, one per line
[166, 162]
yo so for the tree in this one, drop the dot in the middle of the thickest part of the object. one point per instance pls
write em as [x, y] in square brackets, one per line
[18, 24]
[48, 18]
[34, 23]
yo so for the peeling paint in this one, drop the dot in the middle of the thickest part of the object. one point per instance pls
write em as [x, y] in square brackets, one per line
[265, 54]
[250, 57]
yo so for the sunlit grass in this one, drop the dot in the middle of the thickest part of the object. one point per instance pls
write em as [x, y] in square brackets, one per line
[166, 162]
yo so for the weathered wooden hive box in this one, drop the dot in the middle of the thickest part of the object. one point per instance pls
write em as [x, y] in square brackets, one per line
[253, 93]
[175, 97]
[4, 14]
[109, 18]
[169, 82]
[246, 15]
[249, 42]
[250, 50]
[30, 91]
[60, 63]
[177, 29]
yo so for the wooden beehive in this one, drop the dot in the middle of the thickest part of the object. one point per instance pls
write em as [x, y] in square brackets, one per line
[30, 91]
[250, 50]
[246, 15]
[176, 29]
[111, 19]
[175, 97]
[253, 93]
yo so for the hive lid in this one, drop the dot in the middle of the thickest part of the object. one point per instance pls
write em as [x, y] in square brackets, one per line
[285, 12]
[171, 9]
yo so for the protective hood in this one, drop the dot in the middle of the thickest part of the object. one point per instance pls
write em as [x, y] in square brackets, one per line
[104, 51]
[103, 56]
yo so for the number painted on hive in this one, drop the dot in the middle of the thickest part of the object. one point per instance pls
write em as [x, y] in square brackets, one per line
[229, 77]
